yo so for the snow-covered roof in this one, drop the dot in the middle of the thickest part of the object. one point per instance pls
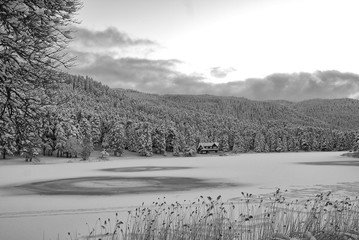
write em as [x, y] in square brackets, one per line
[207, 144]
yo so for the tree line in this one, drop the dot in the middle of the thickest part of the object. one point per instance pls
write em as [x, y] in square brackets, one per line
[117, 120]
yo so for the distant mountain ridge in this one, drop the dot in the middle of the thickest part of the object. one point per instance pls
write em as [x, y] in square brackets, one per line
[329, 113]
[295, 86]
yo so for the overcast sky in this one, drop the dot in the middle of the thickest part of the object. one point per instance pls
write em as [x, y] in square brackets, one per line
[253, 48]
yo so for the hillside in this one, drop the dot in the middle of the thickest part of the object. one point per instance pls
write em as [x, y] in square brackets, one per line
[327, 113]
[339, 113]
[244, 109]
[212, 118]
[118, 119]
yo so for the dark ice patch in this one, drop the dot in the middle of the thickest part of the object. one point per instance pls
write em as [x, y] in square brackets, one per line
[144, 169]
[108, 185]
[351, 163]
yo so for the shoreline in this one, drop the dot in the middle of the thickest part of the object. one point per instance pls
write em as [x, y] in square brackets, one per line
[44, 160]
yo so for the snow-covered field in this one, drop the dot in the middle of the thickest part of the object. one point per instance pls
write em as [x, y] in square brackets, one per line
[46, 201]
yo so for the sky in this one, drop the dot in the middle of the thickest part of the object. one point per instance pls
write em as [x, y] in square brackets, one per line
[259, 49]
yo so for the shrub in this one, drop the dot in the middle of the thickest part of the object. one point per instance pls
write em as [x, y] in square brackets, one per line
[189, 152]
[104, 155]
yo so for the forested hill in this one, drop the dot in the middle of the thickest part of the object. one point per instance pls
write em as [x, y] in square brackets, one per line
[340, 113]
[240, 124]
[327, 113]
[244, 109]
[91, 114]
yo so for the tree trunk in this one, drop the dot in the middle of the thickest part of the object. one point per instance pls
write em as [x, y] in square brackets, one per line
[3, 153]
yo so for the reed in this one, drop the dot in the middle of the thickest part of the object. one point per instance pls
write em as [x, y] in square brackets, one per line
[248, 218]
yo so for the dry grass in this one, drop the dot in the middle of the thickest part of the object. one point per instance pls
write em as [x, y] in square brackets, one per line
[250, 218]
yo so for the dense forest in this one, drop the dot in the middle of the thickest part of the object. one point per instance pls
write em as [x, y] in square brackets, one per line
[90, 115]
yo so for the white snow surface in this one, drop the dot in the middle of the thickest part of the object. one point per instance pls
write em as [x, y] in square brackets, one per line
[28, 214]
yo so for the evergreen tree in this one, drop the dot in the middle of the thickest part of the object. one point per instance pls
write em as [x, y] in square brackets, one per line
[223, 142]
[284, 143]
[271, 140]
[61, 138]
[159, 140]
[323, 144]
[259, 142]
[95, 129]
[72, 147]
[249, 136]
[315, 142]
[189, 136]
[131, 144]
[340, 141]
[117, 139]
[189, 152]
[171, 138]
[31, 145]
[175, 144]
[144, 139]
[86, 139]
[356, 143]
[266, 148]
[296, 144]
[304, 144]
[239, 144]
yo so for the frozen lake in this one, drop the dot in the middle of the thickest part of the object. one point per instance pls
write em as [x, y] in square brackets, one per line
[47, 201]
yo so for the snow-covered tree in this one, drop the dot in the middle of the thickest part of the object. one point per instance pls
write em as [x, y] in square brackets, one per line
[159, 139]
[279, 145]
[271, 140]
[239, 144]
[86, 136]
[223, 142]
[144, 139]
[116, 138]
[34, 36]
[95, 122]
[356, 143]
[259, 142]
[7, 140]
[175, 144]
[61, 139]
[131, 143]
[171, 135]
[72, 147]
[33, 39]
[31, 145]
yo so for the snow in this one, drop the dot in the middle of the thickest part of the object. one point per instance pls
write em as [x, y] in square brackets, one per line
[41, 210]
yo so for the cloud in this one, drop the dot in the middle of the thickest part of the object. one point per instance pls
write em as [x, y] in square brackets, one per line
[110, 37]
[301, 86]
[104, 55]
[136, 71]
[218, 72]
[161, 76]
[156, 76]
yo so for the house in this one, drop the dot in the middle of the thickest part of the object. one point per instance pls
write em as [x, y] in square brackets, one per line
[206, 147]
